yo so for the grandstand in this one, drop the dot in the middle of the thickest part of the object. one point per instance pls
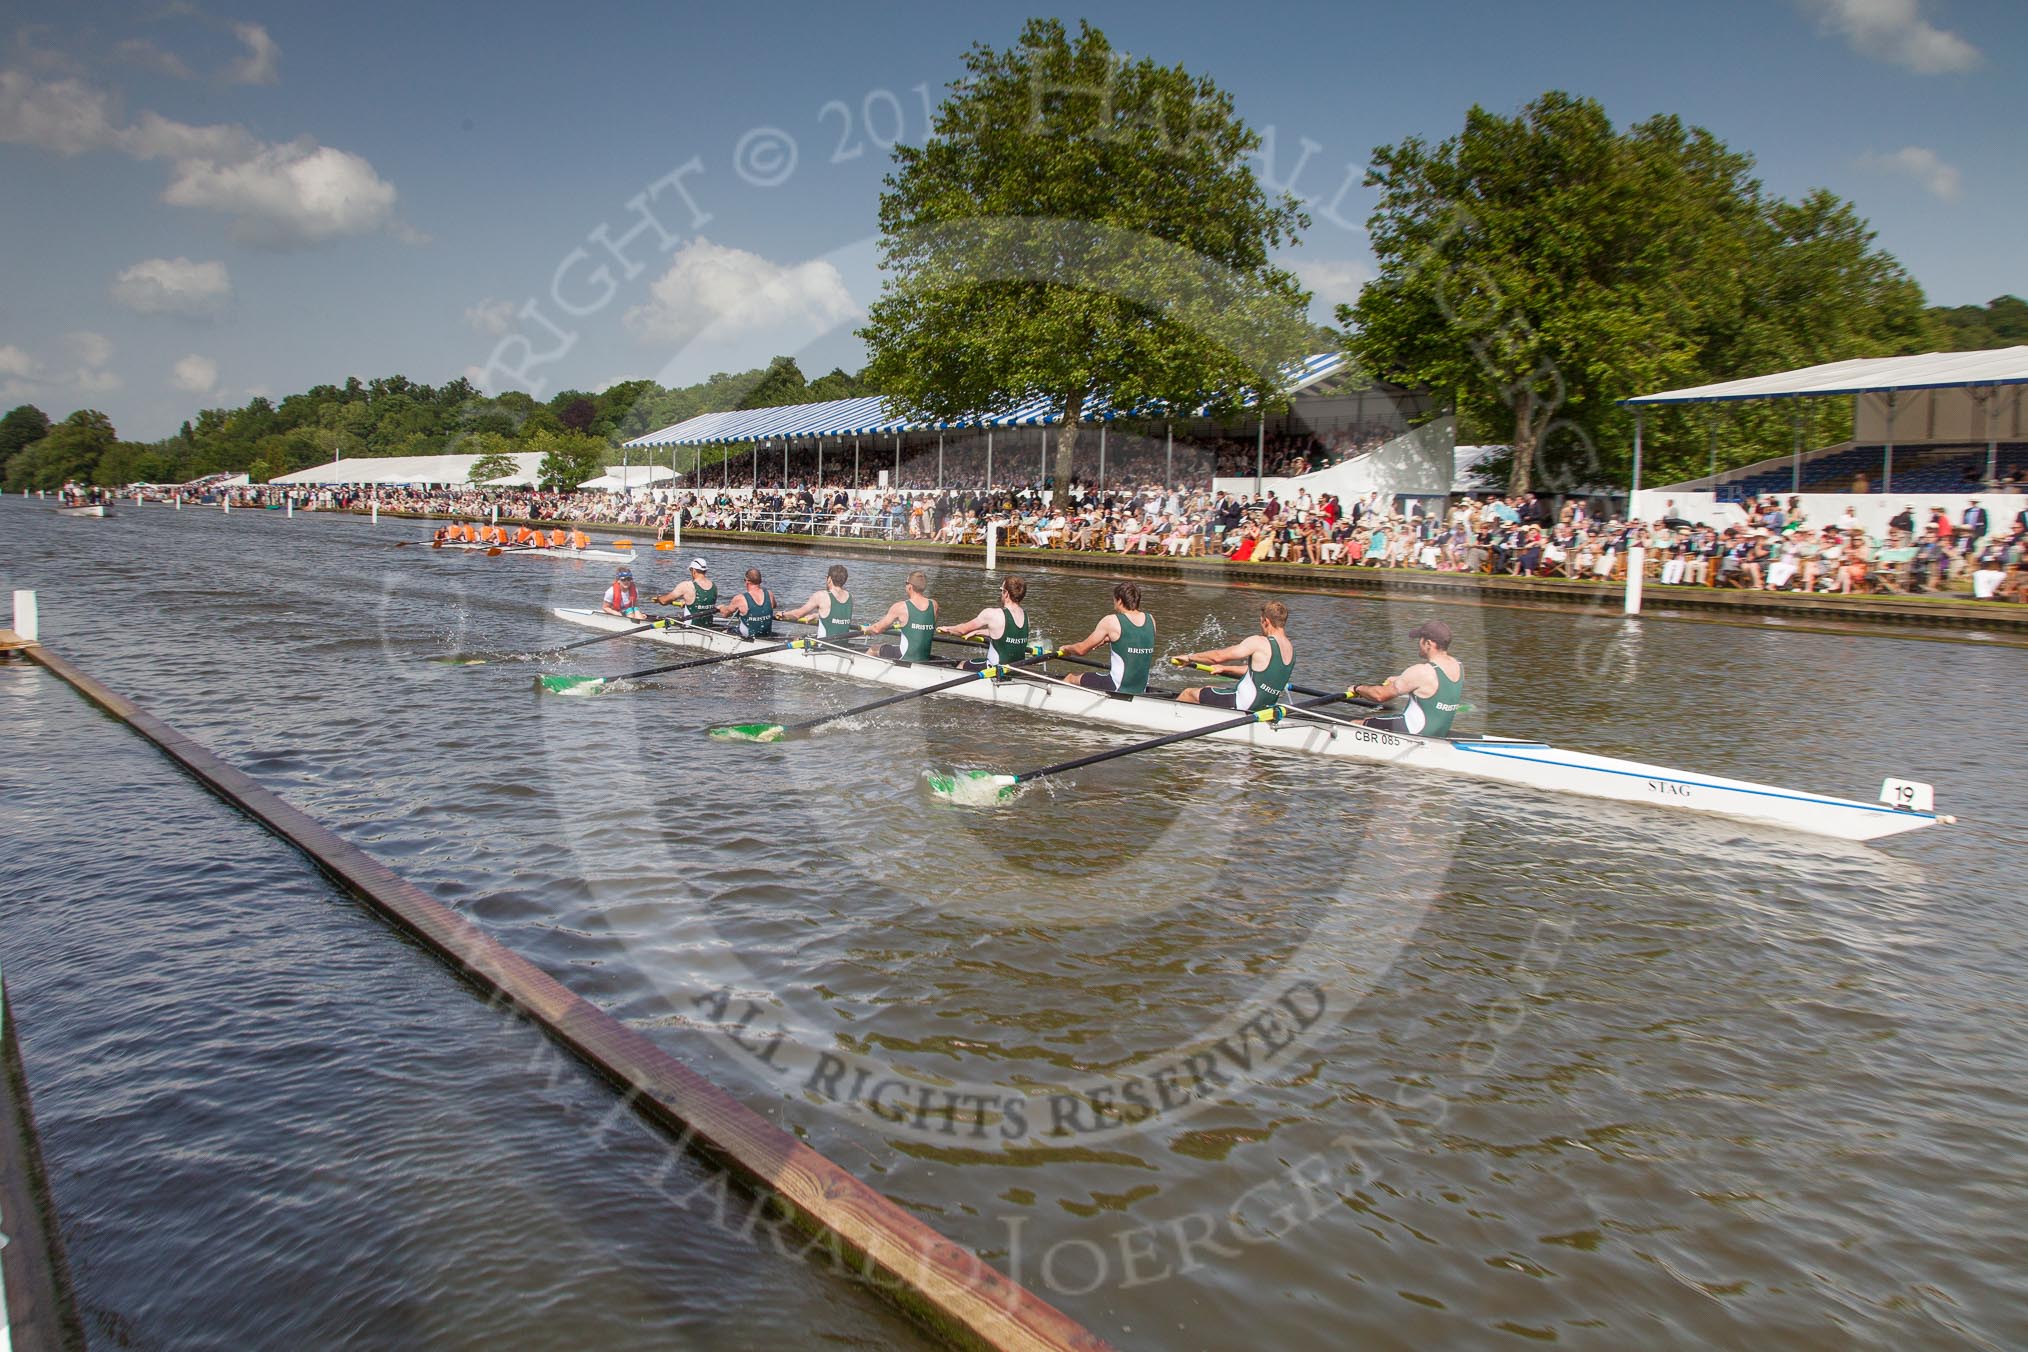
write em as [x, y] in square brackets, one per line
[1853, 468]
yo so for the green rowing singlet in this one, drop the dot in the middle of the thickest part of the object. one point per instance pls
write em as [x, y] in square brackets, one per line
[1012, 645]
[1431, 717]
[917, 629]
[1259, 689]
[704, 608]
[1133, 653]
[838, 621]
[759, 620]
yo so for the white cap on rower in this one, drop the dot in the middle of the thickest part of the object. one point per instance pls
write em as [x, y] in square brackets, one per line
[699, 566]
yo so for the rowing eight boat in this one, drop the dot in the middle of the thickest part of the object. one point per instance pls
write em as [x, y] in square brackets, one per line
[1528, 764]
[545, 551]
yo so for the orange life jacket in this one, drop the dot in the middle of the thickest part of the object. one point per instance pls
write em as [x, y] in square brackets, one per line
[558, 539]
[521, 534]
[579, 540]
[469, 534]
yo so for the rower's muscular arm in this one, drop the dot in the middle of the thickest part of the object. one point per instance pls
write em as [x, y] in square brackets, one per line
[1234, 661]
[893, 617]
[1419, 679]
[982, 621]
[805, 610]
[1105, 631]
[674, 596]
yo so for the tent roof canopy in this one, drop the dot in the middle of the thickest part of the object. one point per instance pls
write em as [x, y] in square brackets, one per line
[1864, 375]
[870, 415]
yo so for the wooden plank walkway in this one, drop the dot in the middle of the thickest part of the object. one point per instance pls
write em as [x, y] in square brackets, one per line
[935, 1280]
[39, 1313]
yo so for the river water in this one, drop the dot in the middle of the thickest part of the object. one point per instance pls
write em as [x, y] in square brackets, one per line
[1209, 1047]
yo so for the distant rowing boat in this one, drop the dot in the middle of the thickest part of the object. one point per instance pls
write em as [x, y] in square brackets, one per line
[88, 509]
[1528, 764]
[547, 551]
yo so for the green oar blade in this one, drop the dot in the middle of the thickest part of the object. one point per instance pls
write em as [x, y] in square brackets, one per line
[750, 732]
[972, 788]
[569, 685]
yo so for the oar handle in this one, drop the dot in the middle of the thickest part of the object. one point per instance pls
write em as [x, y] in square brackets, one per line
[1324, 696]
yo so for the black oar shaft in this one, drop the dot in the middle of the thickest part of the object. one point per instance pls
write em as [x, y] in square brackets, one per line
[603, 638]
[985, 673]
[1171, 739]
[713, 660]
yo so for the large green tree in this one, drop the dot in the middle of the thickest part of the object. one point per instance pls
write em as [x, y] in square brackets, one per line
[2000, 322]
[22, 427]
[1539, 267]
[71, 451]
[1081, 225]
[569, 459]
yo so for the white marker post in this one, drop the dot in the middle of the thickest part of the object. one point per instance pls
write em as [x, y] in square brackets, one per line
[1637, 567]
[27, 621]
[676, 529]
[376, 510]
[225, 501]
[288, 509]
[992, 545]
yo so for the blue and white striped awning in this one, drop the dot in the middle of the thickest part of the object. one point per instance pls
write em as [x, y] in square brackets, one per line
[870, 416]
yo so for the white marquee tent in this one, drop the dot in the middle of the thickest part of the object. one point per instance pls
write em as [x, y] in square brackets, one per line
[453, 470]
[626, 478]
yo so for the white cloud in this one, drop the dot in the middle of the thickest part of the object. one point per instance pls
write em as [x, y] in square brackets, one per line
[1895, 31]
[194, 374]
[27, 376]
[280, 195]
[1923, 165]
[732, 291]
[17, 364]
[145, 54]
[92, 350]
[66, 115]
[287, 195]
[263, 56]
[491, 317]
[174, 286]
[1333, 281]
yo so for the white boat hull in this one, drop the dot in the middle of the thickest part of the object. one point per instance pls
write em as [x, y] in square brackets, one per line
[1531, 765]
[92, 509]
[548, 552]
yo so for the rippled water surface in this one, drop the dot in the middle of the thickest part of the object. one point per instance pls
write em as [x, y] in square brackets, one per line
[1212, 1048]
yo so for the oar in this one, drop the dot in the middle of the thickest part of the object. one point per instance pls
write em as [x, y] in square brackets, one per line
[981, 787]
[1324, 696]
[571, 685]
[775, 732]
[664, 623]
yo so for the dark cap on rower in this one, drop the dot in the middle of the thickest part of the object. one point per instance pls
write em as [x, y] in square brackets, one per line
[1436, 631]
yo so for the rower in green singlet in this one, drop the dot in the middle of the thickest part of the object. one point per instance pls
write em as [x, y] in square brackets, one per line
[752, 609]
[830, 604]
[915, 614]
[1263, 663]
[1435, 687]
[1131, 632]
[1004, 627]
[694, 596]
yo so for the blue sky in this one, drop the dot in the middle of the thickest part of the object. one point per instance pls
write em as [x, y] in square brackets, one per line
[202, 203]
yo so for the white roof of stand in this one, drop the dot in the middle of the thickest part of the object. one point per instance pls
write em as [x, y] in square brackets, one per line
[620, 477]
[870, 415]
[1864, 375]
[408, 469]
